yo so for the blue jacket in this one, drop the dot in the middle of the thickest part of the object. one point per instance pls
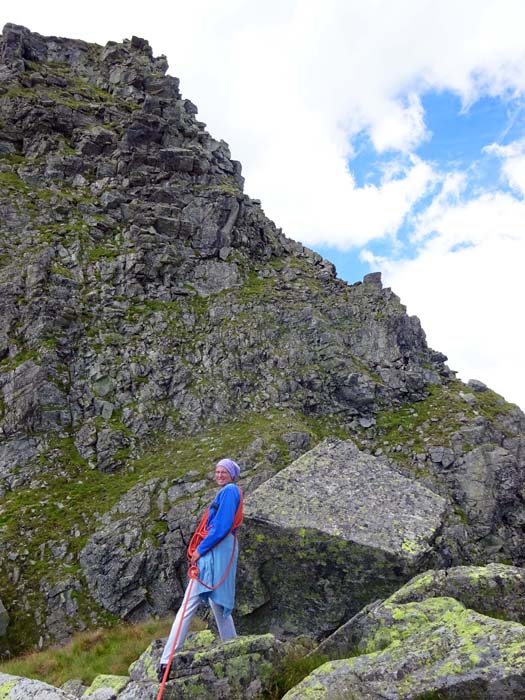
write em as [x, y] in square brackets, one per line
[219, 550]
[220, 518]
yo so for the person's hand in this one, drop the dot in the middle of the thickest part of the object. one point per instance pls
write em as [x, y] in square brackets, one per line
[194, 557]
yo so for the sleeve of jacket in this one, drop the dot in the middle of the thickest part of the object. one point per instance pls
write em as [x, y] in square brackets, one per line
[227, 501]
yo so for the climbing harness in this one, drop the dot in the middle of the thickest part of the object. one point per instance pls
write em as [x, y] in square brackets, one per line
[193, 573]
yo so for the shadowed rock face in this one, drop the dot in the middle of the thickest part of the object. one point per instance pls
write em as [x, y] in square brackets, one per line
[4, 618]
[328, 534]
[420, 644]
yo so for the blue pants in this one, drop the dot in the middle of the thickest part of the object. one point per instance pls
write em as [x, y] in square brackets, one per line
[224, 624]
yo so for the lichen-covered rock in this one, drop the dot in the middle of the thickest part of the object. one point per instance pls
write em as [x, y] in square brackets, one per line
[208, 669]
[328, 534]
[497, 590]
[17, 688]
[74, 686]
[103, 693]
[434, 648]
[113, 685]
[137, 690]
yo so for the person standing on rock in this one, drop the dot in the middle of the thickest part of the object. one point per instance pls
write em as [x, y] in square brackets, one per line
[212, 554]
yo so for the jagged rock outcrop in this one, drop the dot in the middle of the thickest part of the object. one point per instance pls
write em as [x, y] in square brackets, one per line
[126, 573]
[329, 533]
[432, 647]
[129, 225]
[153, 319]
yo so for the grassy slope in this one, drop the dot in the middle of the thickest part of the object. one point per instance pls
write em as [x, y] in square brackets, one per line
[89, 654]
[73, 495]
[111, 651]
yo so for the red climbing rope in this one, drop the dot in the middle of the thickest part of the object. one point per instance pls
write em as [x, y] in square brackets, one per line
[172, 651]
[202, 528]
[193, 574]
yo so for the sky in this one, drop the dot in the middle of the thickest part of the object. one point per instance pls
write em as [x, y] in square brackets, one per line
[388, 135]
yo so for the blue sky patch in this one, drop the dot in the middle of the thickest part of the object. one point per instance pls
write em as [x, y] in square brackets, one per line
[365, 163]
[458, 137]
[456, 141]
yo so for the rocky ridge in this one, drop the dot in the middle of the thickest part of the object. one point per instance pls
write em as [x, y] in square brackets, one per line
[153, 319]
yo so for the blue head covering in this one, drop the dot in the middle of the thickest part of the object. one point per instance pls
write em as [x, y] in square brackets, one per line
[232, 467]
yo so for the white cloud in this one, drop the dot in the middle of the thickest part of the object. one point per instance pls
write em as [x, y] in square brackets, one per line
[401, 127]
[490, 217]
[513, 157]
[465, 284]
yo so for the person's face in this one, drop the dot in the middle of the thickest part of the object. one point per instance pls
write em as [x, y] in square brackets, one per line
[222, 476]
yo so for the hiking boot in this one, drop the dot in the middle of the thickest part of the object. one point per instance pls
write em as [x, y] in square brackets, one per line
[161, 670]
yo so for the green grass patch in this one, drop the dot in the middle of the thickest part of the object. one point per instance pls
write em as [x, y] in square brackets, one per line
[99, 253]
[492, 405]
[291, 671]
[435, 418]
[90, 654]
[10, 363]
[12, 182]
[12, 158]
[200, 452]
[59, 269]
[255, 285]
[433, 421]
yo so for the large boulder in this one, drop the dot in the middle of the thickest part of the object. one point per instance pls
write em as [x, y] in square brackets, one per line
[435, 648]
[497, 590]
[208, 669]
[17, 688]
[327, 535]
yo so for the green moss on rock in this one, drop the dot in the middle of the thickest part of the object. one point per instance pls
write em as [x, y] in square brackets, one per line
[432, 646]
[116, 683]
[5, 689]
